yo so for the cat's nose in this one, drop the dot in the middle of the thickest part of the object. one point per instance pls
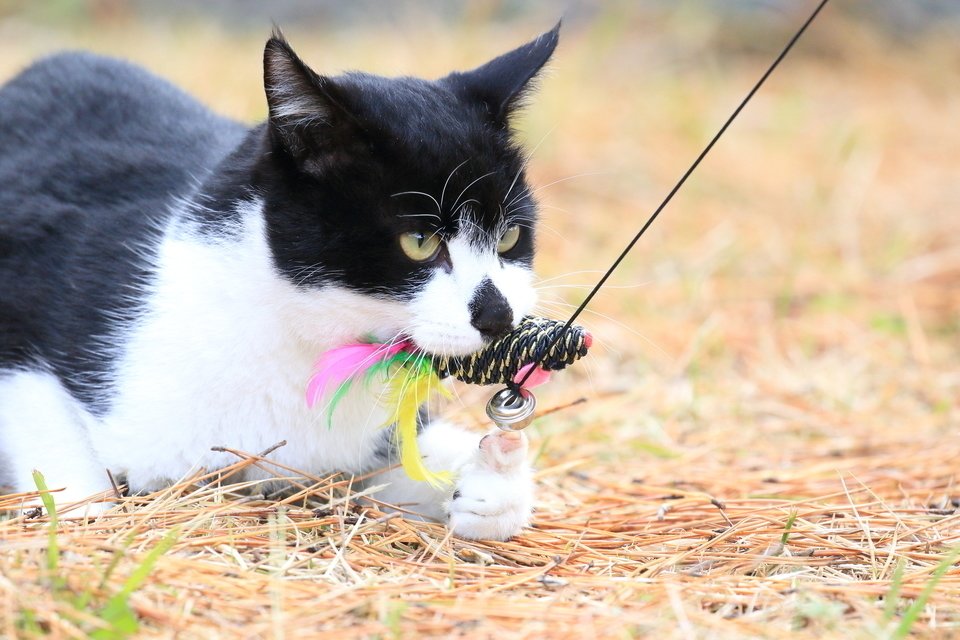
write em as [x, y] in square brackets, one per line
[490, 313]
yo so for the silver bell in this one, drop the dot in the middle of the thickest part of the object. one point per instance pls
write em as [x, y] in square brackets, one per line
[512, 410]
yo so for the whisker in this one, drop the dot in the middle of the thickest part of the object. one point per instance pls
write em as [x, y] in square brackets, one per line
[472, 223]
[561, 304]
[541, 225]
[590, 286]
[536, 206]
[550, 184]
[598, 341]
[466, 202]
[419, 215]
[445, 184]
[564, 275]
[420, 193]
[525, 162]
[486, 175]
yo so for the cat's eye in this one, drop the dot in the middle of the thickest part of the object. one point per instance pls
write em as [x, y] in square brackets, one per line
[509, 239]
[420, 247]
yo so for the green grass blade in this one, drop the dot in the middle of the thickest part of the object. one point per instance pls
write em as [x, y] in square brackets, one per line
[53, 547]
[119, 555]
[135, 579]
[910, 615]
[786, 529]
[117, 613]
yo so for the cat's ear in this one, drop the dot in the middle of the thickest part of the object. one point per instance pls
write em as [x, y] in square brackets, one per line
[308, 116]
[502, 84]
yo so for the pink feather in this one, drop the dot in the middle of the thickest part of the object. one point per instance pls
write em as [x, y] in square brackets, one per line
[336, 366]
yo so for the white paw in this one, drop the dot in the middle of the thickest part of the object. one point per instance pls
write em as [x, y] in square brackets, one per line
[494, 495]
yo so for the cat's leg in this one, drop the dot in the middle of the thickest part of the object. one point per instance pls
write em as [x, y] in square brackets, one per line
[42, 427]
[492, 495]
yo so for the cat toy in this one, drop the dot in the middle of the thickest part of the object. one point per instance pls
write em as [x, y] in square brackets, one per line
[412, 377]
[521, 359]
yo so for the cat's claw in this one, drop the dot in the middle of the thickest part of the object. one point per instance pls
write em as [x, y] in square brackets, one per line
[494, 495]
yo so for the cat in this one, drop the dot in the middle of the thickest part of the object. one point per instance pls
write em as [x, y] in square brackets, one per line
[168, 276]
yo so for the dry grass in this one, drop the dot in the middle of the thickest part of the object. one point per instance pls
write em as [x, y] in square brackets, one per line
[772, 417]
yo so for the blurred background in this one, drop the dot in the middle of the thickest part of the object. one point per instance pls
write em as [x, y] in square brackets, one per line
[800, 296]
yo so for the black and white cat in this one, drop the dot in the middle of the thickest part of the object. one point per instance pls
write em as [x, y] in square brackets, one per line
[168, 277]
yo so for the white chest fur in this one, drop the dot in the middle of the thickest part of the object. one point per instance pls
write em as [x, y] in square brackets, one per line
[221, 356]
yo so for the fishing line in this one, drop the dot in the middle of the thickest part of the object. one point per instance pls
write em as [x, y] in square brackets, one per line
[535, 347]
[542, 353]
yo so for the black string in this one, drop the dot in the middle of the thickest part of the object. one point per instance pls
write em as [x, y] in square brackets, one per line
[616, 263]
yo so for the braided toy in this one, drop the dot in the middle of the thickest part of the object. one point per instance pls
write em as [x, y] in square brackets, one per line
[412, 377]
[499, 361]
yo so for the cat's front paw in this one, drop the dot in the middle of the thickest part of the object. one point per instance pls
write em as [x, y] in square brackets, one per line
[494, 496]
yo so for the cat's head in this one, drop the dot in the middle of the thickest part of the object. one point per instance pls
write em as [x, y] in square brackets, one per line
[404, 198]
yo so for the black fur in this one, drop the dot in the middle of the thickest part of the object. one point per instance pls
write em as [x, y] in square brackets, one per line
[95, 152]
[91, 152]
[377, 138]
